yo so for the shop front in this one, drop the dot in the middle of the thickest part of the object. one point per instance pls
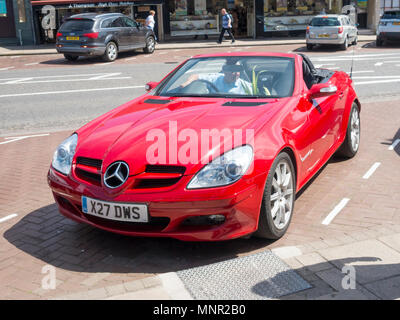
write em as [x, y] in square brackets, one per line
[188, 18]
[290, 17]
[50, 14]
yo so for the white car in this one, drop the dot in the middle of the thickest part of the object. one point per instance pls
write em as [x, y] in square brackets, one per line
[331, 29]
[389, 27]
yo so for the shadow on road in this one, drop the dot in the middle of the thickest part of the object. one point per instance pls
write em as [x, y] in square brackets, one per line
[88, 60]
[372, 281]
[389, 142]
[47, 235]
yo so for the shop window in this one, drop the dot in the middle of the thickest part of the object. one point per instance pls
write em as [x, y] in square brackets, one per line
[3, 8]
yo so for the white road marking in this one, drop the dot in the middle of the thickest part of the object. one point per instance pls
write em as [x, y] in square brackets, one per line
[13, 139]
[105, 76]
[65, 80]
[335, 211]
[370, 172]
[11, 216]
[395, 143]
[61, 76]
[377, 81]
[17, 81]
[31, 64]
[8, 68]
[67, 91]
[378, 64]
[362, 71]
[323, 64]
[377, 77]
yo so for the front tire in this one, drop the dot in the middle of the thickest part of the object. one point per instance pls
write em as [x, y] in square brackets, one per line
[278, 199]
[111, 52]
[70, 58]
[351, 143]
[150, 45]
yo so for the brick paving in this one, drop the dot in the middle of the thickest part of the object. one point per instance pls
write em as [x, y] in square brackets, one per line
[101, 264]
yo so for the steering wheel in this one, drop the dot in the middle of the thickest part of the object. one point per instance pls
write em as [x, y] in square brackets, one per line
[209, 84]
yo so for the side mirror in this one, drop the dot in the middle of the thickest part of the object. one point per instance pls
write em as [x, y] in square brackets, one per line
[150, 85]
[321, 90]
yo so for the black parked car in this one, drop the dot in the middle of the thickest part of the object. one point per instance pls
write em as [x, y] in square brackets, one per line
[93, 34]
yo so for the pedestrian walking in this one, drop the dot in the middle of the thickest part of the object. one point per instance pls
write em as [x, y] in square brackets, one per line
[150, 22]
[226, 25]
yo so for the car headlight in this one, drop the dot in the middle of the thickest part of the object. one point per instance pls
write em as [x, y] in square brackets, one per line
[224, 170]
[62, 159]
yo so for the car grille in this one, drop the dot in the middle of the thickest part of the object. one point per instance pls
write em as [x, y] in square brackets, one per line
[158, 176]
[154, 176]
[89, 170]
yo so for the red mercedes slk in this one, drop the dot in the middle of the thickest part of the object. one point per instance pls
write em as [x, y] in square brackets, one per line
[216, 150]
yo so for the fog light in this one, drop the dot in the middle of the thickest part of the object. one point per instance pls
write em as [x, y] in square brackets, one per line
[217, 218]
[214, 219]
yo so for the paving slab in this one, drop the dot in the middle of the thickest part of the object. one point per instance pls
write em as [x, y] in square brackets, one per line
[372, 260]
[388, 289]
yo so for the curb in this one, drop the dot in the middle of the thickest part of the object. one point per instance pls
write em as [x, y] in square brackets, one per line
[169, 47]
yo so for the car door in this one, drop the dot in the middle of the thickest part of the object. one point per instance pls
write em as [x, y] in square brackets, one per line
[134, 33]
[322, 121]
[122, 33]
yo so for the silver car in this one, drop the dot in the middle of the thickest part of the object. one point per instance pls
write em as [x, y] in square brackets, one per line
[331, 29]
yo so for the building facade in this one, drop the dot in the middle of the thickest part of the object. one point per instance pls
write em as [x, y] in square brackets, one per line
[37, 21]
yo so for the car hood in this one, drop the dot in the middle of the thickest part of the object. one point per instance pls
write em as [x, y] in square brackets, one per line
[133, 132]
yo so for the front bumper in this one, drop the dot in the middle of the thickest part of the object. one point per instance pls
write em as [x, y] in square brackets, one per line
[168, 210]
[80, 51]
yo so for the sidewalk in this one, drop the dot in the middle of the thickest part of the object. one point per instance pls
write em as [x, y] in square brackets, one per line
[325, 265]
[50, 49]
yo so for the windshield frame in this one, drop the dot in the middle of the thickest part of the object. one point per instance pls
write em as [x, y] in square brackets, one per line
[196, 60]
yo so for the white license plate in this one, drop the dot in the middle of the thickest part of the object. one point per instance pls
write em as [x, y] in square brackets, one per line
[118, 211]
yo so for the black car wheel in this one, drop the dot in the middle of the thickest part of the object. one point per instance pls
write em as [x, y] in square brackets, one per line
[345, 44]
[70, 58]
[351, 143]
[278, 199]
[150, 45]
[310, 46]
[379, 42]
[111, 52]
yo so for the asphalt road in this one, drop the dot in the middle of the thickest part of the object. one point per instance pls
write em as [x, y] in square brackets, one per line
[47, 93]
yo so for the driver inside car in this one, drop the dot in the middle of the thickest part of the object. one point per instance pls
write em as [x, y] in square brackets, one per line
[228, 81]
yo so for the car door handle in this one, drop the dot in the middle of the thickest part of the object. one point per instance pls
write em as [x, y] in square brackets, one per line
[341, 95]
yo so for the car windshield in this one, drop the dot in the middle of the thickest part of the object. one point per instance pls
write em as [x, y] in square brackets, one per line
[391, 15]
[325, 22]
[77, 25]
[233, 76]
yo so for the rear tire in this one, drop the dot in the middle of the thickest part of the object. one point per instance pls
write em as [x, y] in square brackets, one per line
[345, 44]
[111, 52]
[150, 45]
[279, 195]
[70, 58]
[354, 43]
[351, 143]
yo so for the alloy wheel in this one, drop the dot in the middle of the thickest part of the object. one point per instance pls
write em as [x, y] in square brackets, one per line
[282, 195]
[112, 51]
[355, 130]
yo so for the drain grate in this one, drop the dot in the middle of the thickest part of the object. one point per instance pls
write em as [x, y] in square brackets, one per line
[259, 276]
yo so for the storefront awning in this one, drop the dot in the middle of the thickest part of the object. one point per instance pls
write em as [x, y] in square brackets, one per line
[73, 2]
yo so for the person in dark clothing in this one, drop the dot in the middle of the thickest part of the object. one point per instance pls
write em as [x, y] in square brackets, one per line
[226, 26]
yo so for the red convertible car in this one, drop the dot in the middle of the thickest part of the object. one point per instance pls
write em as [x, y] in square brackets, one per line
[216, 150]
